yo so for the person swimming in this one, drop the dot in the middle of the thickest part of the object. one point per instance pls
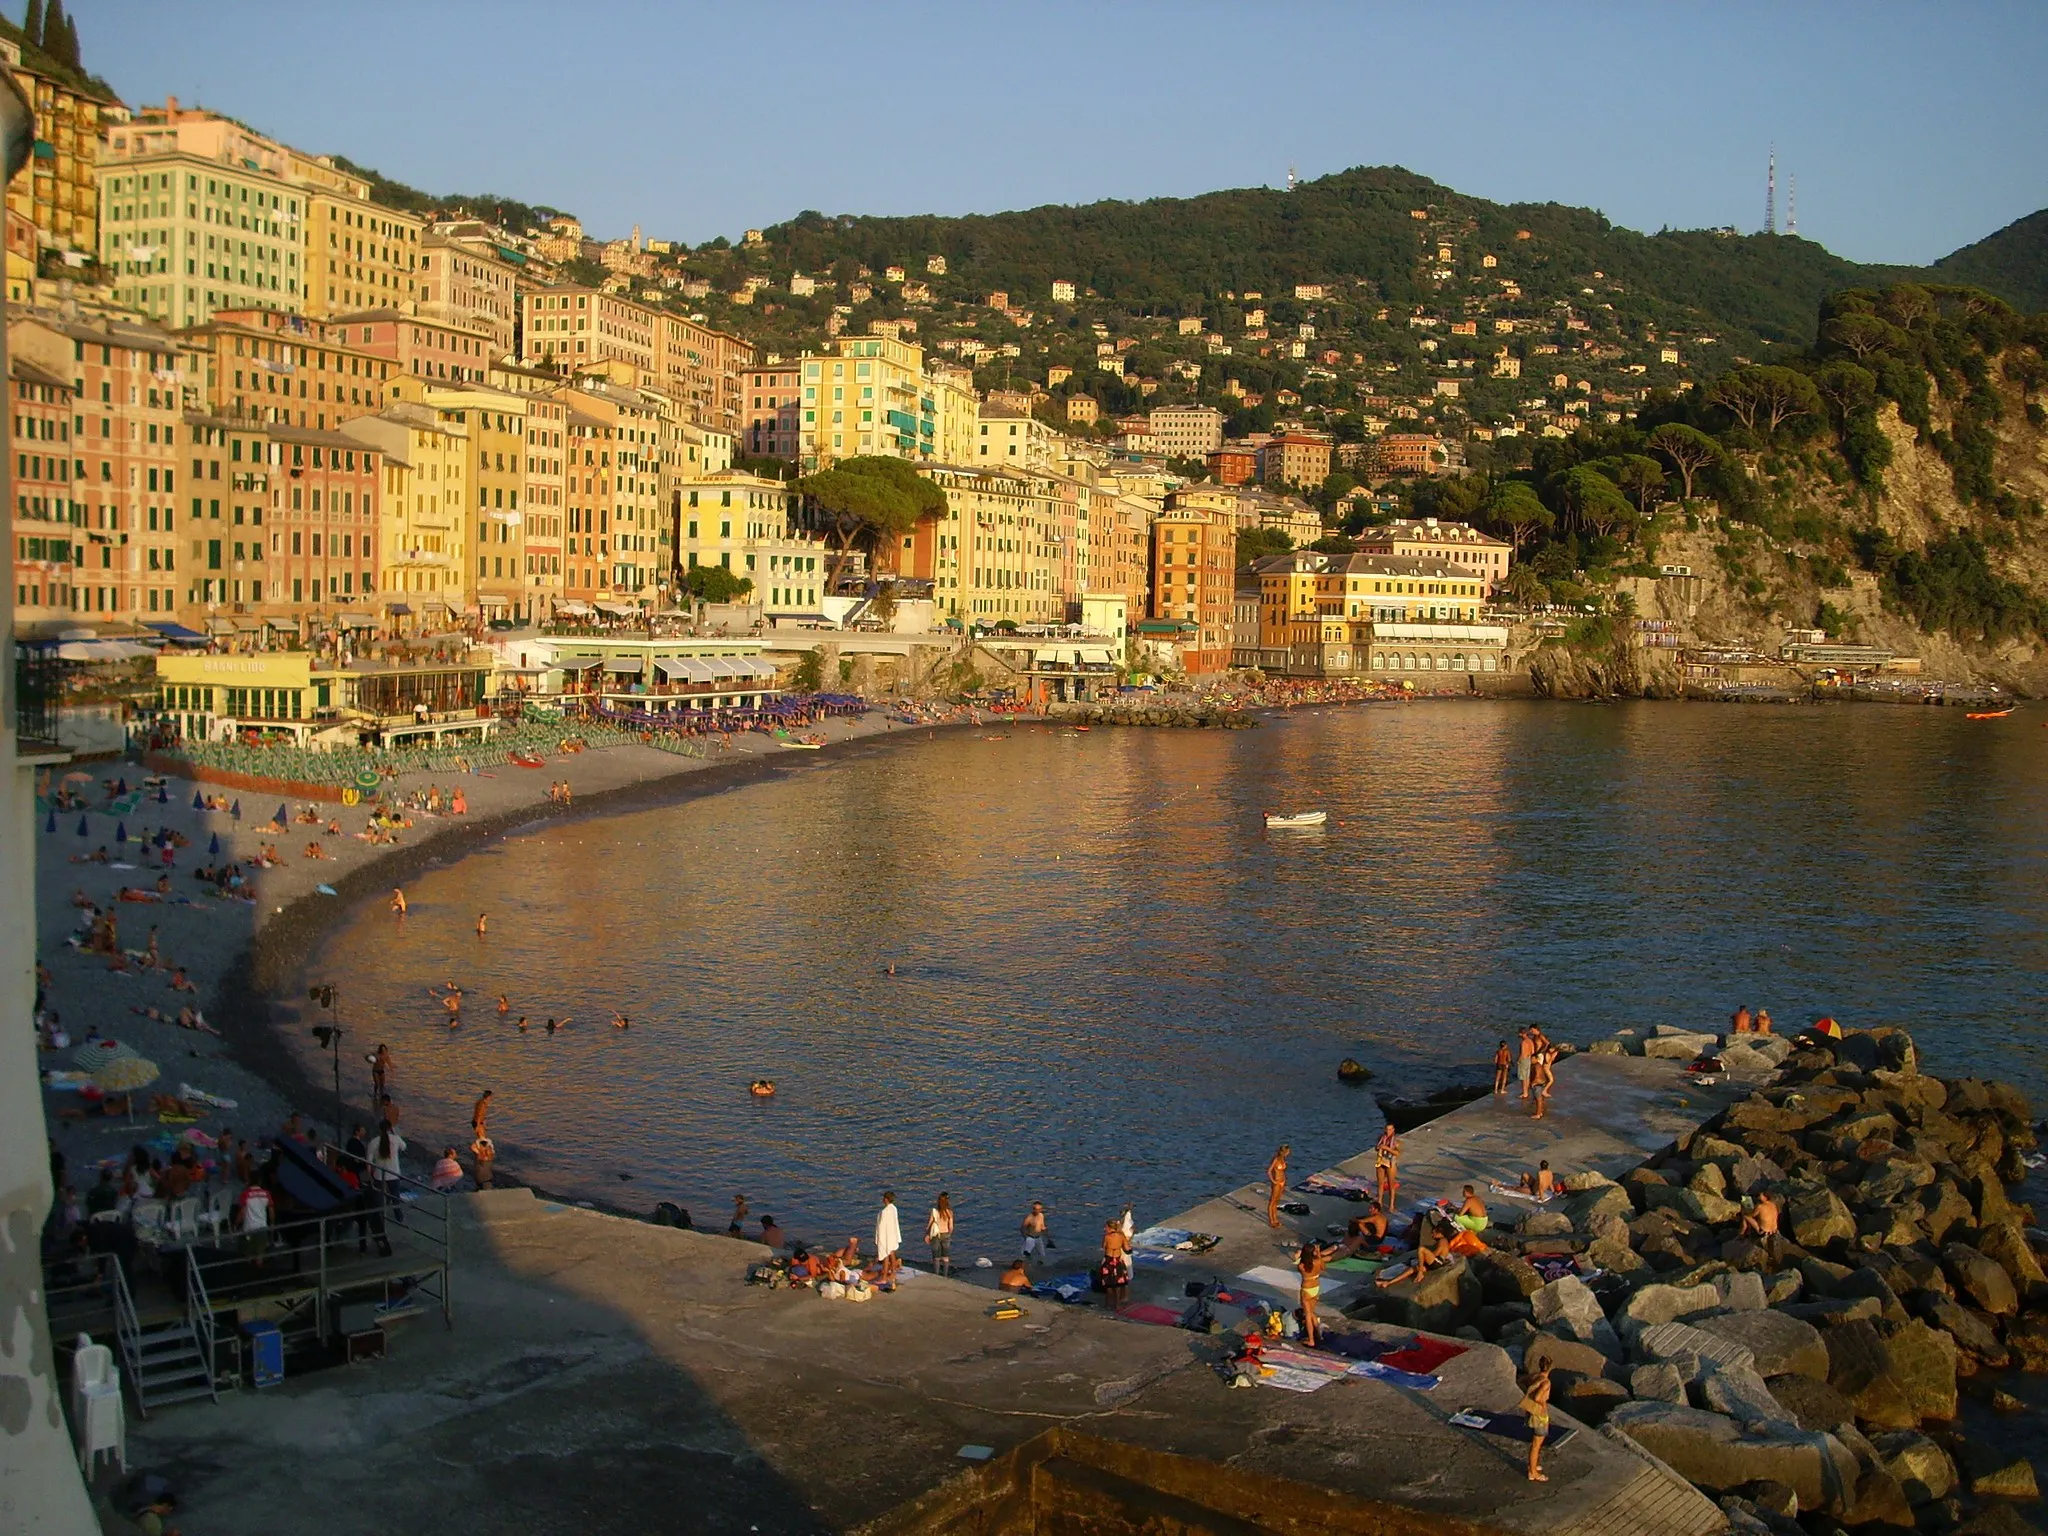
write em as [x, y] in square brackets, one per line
[522, 1023]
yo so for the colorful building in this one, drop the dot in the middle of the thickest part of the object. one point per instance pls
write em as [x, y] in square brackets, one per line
[744, 523]
[1193, 581]
[771, 423]
[47, 523]
[1456, 544]
[421, 574]
[263, 366]
[55, 198]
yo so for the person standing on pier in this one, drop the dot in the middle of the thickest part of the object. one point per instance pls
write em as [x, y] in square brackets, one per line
[1544, 1078]
[1503, 1061]
[380, 1073]
[1310, 1261]
[1386, 1165]
[1525, 1059]
[1276, 1180]
[1036, 1239]
[888, 1237]
[1116, 1265]
[1536, 1410]
[938, 1234]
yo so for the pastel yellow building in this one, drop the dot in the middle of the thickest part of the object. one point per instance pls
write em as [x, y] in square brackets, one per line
[872, 396]
[359, 255]
[422, 571]
[742, 522]
[56, 194]
[495, 426]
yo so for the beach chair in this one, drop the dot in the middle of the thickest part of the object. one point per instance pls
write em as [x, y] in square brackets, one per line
[182, 1220]
[96, 1407]
[149, 1219]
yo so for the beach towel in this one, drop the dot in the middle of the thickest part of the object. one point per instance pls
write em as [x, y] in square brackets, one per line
[1304, 1360]
[201, 1096]
[1068, 1288]
[1356, 1266]
[1516, 1192]
[1354, 1346]
[1175, 1240]
[1151, 1312]
[1379, 1370]
[1339, 1184]
[1553, 1266]
[1273, 1278]
[1422, 1355]
[1509, 1426]
[1152, 1258]
[1288, 1379]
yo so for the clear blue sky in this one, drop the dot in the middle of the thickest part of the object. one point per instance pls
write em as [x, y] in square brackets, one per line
[1912, 128]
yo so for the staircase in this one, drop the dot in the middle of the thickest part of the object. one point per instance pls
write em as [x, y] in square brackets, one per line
[171, 1361]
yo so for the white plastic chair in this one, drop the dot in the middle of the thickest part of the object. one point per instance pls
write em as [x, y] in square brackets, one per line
[148, 1217]
[96, 1406]
[184, 1217]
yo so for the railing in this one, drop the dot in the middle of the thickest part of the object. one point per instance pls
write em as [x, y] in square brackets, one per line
[38, 694]
[199, 1313]
[127, 1330]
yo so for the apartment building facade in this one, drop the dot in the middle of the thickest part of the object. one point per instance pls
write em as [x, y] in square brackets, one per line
[469, 281]
[421, 348]
[1193, 581]
[1455, 544]
[771, 420]
[55, 198]
[260, 365]
[744, 523]
[1186, 431]
[421, 574]
[46, 525]
[359, 255]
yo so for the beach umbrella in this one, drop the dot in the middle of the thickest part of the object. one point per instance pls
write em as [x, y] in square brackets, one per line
[163, 795]
[121, 785]
[282, 819]
[236, 810]
[84, 827]
[213, 846]
[1827, 1027]
[123, 1075]
[90, 1058]
[198, 804]
[51, 824]
[121, 833]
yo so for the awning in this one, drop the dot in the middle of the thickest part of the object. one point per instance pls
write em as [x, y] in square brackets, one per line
[695, 668]
[361, 620]
[616, 608]
[397, 608]
[726, 666]
[767, 671]
[493, 600]
[673, 666]
[581, 664]
[624, 664]
[574, 607]
[177, 632]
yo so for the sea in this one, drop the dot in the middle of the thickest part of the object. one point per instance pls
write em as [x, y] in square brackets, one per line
[1025, 963]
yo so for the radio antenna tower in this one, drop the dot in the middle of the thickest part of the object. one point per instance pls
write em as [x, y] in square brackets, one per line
[1291, 183]
[1771, 194]
[1792, 204]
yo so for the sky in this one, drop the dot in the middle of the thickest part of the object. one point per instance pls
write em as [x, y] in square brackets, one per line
[1912, 129]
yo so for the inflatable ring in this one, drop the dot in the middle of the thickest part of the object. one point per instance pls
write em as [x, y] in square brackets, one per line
[351, 796]
[762, 1087]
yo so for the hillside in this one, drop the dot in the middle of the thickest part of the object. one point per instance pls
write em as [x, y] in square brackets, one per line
[1176, 255]
[2012, 263]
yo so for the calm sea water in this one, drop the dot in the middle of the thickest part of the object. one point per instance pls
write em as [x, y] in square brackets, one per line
[1113, 984]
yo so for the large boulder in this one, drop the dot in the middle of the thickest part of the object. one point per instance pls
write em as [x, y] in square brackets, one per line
[1752, 1172]
[1889, 1180]
[1568, 1308]
[1683, 1342]
[1923, 1469]
[1667, 1303]
[1972, 1331]
[1616, 1257]
[1543, 1223]
[2026, 1336]
[1743, 1396]
[1504, 1277]
[1563, 1355]
[1981, 1279]
[1661, 1381]
[1689, 1203]
[1742, 1056]
[1813, 1404]
[1441, 1301]
[1814, 1216]
[1924, 1365]
[1678, 1046]
[1742, 1292]
[1777, 1344]
[1587, 1206]
[1589, 1399]
[1720, 1455]
[1860, 1367]
[2007, 1479]
[1945, 1210]
[2005, 1245]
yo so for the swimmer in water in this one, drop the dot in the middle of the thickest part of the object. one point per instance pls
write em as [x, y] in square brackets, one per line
[522, 1023]
[553, 1026]
[620, 1021]
[483, 921]
[504, 1006]
[398, 901]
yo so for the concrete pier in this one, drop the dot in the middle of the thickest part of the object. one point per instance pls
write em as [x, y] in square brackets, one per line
[601, 1372]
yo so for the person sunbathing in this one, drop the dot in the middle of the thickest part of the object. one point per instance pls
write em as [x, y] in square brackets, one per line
[179, 981]
[803, 1269]
[1015, 1278]
[1432, 1236]
[1542, 1183]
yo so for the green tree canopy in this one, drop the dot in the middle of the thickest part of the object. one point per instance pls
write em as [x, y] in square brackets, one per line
[1688, 449]
[1517, 512]
[715, 584]
[1764, 399]
[872, 501]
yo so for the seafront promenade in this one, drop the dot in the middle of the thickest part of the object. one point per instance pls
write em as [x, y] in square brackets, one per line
[597, 1364]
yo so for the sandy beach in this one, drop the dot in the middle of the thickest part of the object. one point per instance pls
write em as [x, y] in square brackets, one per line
[238, 953]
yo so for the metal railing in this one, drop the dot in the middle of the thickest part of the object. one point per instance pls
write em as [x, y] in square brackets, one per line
[127, 1330]
[199, 1313]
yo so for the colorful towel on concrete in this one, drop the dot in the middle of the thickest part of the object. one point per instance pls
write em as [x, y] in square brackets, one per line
[1151, 1312]
[1509, 1426]
[1354, 1346]
[1174, 1240]
[1516, 1192]
[1553, 1266]
[1067, 1288]
[1288, 1379]
[1301, 1359]
[1423, 1355]
[1356, 1266]
[1379, 1370]
[1338, 1184]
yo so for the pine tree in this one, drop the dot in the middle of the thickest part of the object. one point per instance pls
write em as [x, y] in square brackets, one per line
[71, 54]
[56, 31]
[32, 24]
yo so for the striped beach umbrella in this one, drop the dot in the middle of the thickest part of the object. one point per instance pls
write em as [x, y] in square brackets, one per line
[90, 1058]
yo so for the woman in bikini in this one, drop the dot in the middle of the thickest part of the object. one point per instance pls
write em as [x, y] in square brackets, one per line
[1386, 1165]
[1535, 1407]
[1310, 1261]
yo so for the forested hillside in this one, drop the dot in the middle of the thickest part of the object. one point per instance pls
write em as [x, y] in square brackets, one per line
[2012, 263]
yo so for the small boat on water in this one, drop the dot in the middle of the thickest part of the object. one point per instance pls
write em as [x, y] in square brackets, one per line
[1990, 714]
[1297, 819]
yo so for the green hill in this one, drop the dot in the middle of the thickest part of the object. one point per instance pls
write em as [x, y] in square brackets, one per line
[2012, 263]
[1356, 227]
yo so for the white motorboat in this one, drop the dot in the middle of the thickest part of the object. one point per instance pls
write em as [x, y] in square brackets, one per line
[1297, 819]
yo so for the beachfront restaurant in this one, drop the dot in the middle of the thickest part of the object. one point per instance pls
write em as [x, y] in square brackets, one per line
[663, 676]
[287, 695]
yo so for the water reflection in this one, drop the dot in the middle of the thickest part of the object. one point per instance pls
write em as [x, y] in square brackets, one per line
[1111, 983]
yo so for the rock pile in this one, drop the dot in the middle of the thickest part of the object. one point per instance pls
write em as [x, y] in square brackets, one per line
[1816, 1374]
[1160, 711]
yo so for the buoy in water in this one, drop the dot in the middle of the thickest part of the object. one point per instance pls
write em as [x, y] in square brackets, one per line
[762, 1087]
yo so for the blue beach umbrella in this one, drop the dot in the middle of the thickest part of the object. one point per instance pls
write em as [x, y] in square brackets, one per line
[163, 795]
[236, 810]
[198, 804]
[282, 818]
[84, 827]
[121, 785]
[213, 846]
[121, 833]
[51, 825]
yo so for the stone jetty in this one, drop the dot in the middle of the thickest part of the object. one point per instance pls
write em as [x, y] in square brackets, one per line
[1160, 710]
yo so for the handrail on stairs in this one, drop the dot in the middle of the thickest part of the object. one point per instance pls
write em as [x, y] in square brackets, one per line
[199, 1313]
